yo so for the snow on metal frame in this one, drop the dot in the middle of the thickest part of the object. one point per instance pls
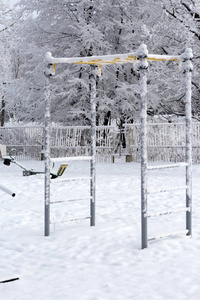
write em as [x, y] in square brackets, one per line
[70, 179]
[165, 190]
[157, 237]
[180, 164]
[168, 212]
[187, 69]
[142, 56]
[72, 158]
[70, 220]
[107, 59]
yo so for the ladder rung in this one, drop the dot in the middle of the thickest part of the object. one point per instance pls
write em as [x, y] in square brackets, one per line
[70, 220]
[71, 179]
[181, 164]
[167, 212]
[157, 237]
[71, 158]
[70, 200]
[182, 187]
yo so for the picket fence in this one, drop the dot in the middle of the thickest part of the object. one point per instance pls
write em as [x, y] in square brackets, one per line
[166, 141]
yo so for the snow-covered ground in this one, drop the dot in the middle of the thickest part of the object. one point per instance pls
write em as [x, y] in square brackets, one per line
[105, 262]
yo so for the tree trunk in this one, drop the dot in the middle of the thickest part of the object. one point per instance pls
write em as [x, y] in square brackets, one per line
[2, 112]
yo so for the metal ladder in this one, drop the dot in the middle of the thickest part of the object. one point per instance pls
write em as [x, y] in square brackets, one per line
[92, 158]
[187, 67]
[91, 179]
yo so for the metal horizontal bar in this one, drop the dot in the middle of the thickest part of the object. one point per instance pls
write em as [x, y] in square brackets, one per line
[183, 187]
[106, 59]
[70, 200]
[158, 57]
[92, 60]
[157, 237]
[71, 158]
[70, 220]
[70, 179]
[181, 164]
[167, 212]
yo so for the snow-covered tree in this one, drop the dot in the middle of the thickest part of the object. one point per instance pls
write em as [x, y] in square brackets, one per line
[87, 27]
[9, 60]
[81, 28]
[184, 16]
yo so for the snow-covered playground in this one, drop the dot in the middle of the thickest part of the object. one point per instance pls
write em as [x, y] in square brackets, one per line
[105, 262]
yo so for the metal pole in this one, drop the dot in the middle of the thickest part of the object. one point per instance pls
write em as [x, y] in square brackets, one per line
[47, 158]
[142, 54]
[187, 69]
[93, 77]
[6, 190]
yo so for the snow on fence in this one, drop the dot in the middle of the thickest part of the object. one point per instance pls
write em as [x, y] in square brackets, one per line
[28, 140]
[166, 141]
[65, 141]
[75, 141]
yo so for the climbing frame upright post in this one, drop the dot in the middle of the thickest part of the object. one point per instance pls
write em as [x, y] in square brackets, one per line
[187, 70]
[142, 55]
[47, 157]
[93, 78]
[50, 71]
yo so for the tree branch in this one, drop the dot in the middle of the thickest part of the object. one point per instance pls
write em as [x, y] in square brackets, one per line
[11, 25]
[193, 14]
[181, 21]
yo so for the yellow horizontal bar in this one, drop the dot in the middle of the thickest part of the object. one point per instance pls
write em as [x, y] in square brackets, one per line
[130, 59]
[99, 62]
[162, 59]
[108, 59]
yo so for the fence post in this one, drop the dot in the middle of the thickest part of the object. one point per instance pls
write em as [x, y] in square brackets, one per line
[142, 67]
[187, 70]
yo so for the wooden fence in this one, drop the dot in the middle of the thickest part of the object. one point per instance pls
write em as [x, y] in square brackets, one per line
[166, 141]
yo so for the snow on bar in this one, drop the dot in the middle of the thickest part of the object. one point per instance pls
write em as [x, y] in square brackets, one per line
[168, 235]
[70, 220]
[107, 59]
[181, 164]
[71, 158]
[157, 57]
[70, 200]
[70, 179]
[181, 187]
[167, 212]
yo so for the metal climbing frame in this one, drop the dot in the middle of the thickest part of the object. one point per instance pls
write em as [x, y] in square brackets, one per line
[139, 59]
[187, 67]
[50, 71]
